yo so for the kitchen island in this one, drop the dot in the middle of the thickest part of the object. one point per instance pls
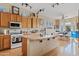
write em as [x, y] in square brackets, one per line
[35, 45]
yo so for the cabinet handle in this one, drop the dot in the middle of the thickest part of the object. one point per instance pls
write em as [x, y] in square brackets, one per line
[51, 33]
[48, 39]
[53, 38]
[41, 41]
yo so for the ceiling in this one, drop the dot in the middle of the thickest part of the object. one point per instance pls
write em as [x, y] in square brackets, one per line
[68, 9]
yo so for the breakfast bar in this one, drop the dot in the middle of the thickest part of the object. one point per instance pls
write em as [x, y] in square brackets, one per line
[36, 45]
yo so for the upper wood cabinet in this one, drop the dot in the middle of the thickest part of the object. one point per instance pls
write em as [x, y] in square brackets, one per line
[13, 17]
[34, 22]
[56, 22]
[24, 22]
[16, 18]
[29, 22]
[4, 19]
[38, 22]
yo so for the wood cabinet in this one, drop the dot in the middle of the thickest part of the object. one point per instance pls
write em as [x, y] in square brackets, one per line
[1, 42]
[29, 22]
[16, 18]
[24, 22]
[19, 18]
[13, 17]
[5, 42]
[25, 46]
[4, 19]
[56, 22]
[34, 22]
[38, 22]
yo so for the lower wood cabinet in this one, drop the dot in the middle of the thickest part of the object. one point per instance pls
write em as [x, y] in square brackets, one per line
[1, 42]
[5, 42]
[25, 46]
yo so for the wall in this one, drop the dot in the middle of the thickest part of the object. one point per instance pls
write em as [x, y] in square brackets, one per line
[8, 8]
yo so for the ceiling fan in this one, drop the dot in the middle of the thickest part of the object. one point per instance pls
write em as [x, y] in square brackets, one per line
[40, 10]
[56, 4]
[26, 5]
[33, 14]
[36, 14]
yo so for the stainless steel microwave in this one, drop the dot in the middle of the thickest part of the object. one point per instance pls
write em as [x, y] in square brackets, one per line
[15, 24]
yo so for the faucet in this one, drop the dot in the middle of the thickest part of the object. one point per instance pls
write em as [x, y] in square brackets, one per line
[43, 32]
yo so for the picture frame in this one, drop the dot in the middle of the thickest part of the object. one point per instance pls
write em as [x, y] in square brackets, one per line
[15, 10]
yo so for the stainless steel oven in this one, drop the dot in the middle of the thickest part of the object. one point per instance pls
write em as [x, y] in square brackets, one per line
[16, 40]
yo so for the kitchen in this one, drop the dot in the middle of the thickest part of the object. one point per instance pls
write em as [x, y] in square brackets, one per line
[29, 30]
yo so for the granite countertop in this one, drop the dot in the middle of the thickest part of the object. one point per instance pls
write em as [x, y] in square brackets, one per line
[3, 34]
[38, 37]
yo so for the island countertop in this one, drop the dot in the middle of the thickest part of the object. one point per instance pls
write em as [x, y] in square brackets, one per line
[32, 45]
[32, 37]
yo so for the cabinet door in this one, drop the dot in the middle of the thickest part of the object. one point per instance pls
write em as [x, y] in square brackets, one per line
[29, 22]
[56, 23]
[38, 22]
[34, 22]
[24, 22]
[13, 17]
[19, 18]
[1, 42]
[25, 46]
[35, 48]
[5, 19]
[51, 44]
[7, 42]
[44, 46]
